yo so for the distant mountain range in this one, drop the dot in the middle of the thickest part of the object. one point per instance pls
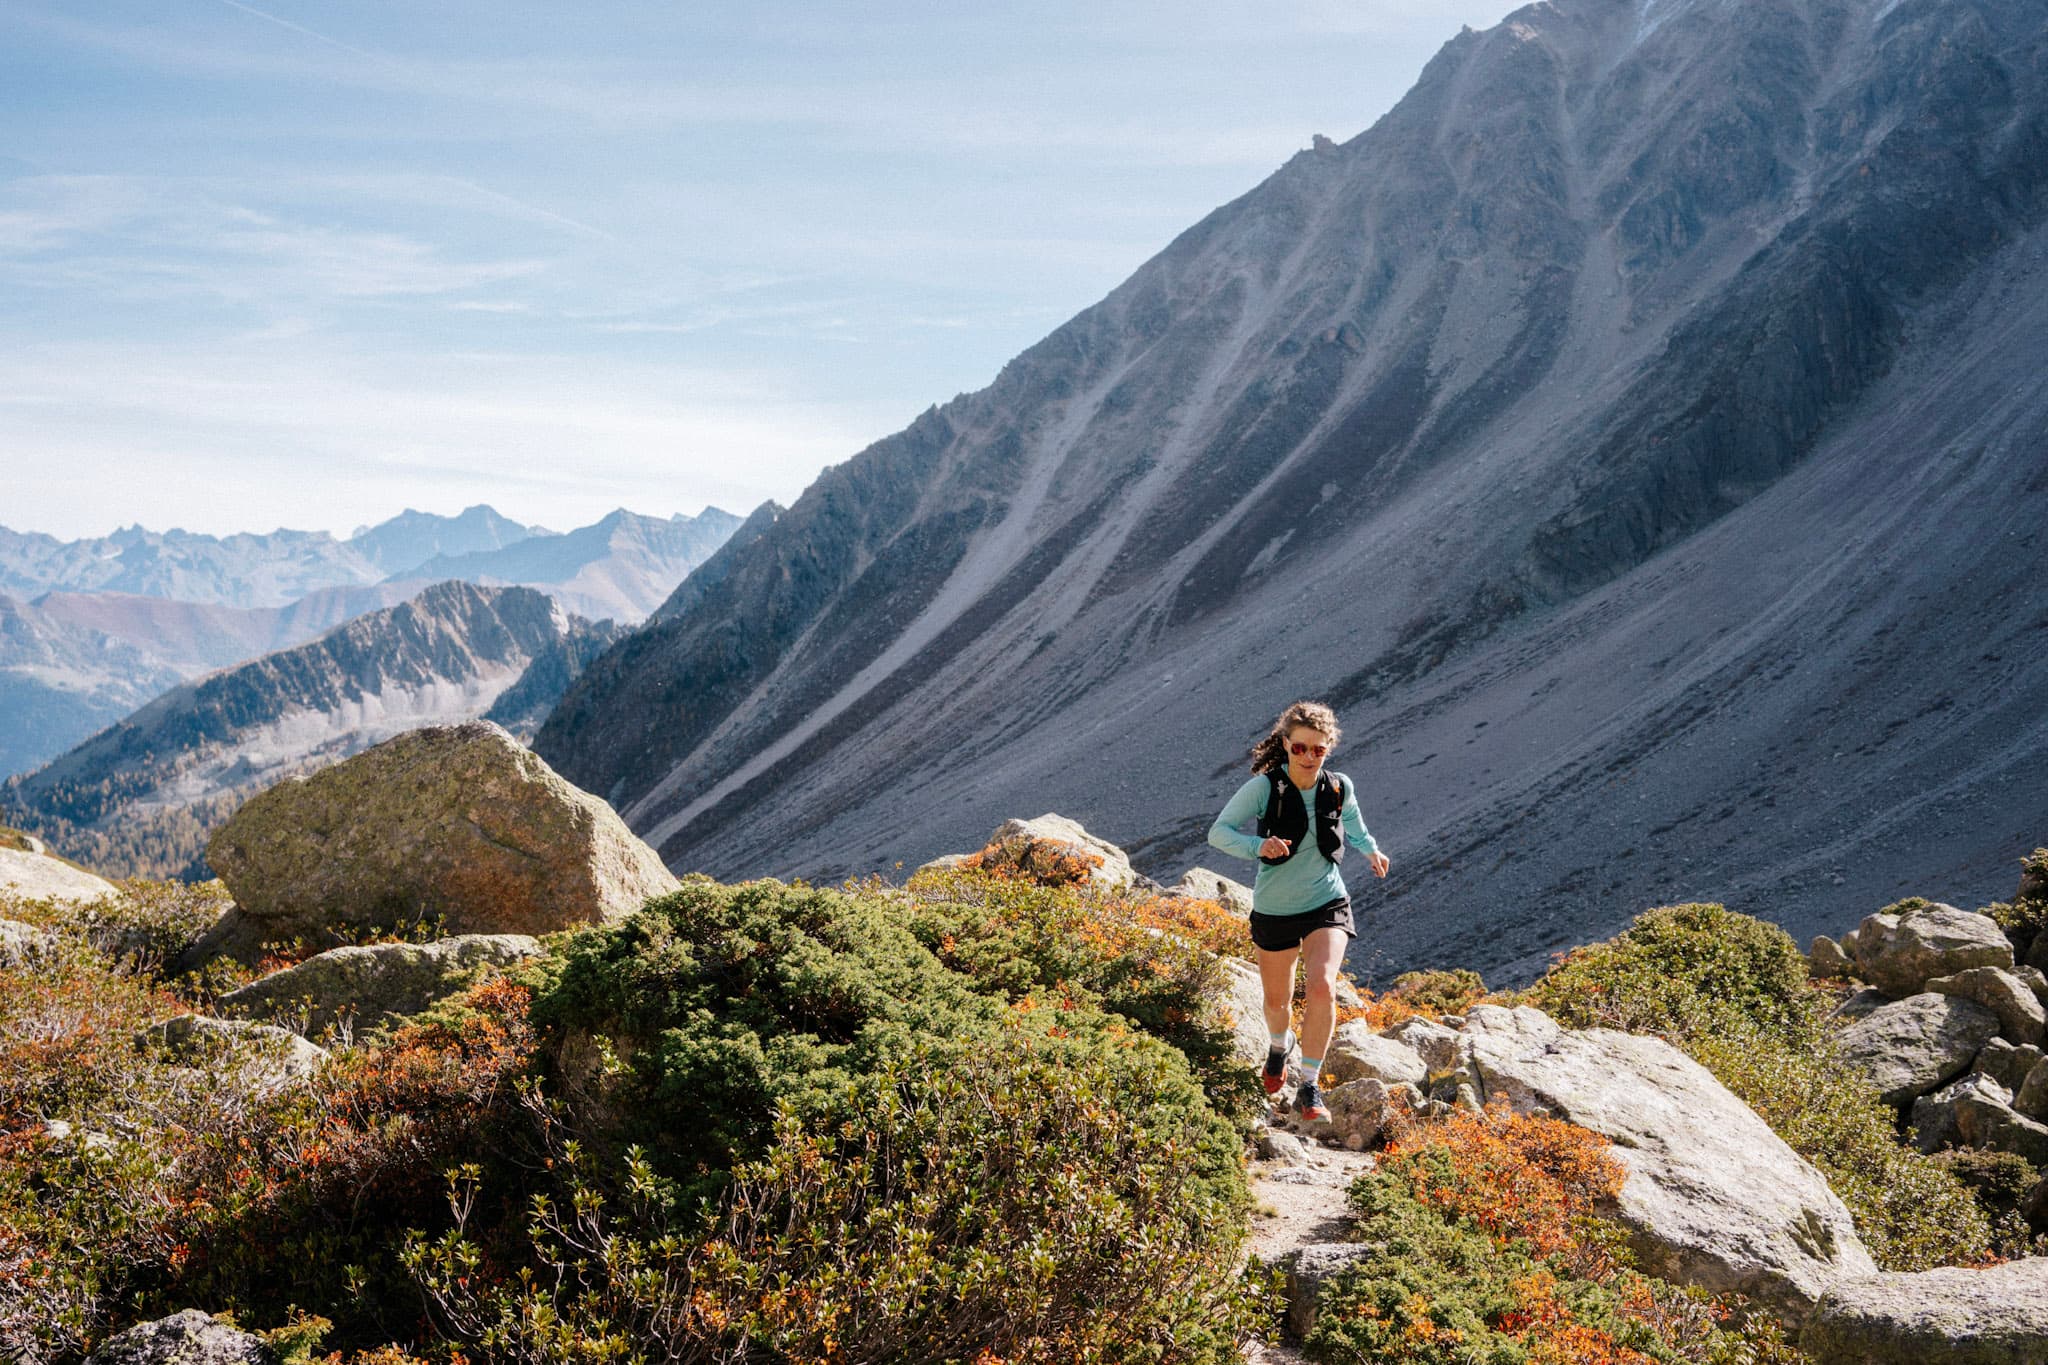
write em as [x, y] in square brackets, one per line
[142, 795]
[1638, 433]
[95, 628]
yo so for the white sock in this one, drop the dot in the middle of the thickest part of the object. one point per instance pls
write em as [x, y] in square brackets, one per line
[1309, 1070]
[1283, 1041]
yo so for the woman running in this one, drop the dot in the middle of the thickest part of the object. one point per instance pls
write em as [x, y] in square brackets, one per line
[1302, 818]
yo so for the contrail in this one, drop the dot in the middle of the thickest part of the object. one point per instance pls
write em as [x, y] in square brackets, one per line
[301, 28]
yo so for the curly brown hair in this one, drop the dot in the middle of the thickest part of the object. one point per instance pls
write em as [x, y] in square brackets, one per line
[1271, 752]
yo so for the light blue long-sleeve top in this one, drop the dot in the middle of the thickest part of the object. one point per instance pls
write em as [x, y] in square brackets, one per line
[1308, 879]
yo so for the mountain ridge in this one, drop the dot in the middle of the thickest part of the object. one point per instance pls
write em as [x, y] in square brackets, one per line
[1592, 288]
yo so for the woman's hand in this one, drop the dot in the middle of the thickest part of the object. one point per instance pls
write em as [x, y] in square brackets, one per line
[1274, 847]
[1379, 863]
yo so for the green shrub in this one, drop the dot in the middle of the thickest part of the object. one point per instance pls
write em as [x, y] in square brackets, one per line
[1151, 959]
[1686, 967]
[955, 1206]
[1439, 992]
[1732, 992]
[2023, 922]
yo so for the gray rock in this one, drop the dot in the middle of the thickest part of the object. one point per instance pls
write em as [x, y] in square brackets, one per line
[1203, 884]
[2007, 1064]
[1987, 1119]
[1356, 1051]
[1309, 1267]
[1827, 959]
[2031, 1097]
[1240, 1004]
[1861, 1005]
[2021, 1016]
[63, 1133]
[1284, 1147]
[1713, 1197]
[1439, 1047]
[266, 1058]
[945, 862]
[1917, 1044]
[1111, 866]
[1951, 1316]
[187, 1338]
[2036, 979]
[1358, 1113]
[1901, 953]
[1346, 993]
[372, 984]
[460, 822]
[21, 943]
[37, 876]
[1935, 1121]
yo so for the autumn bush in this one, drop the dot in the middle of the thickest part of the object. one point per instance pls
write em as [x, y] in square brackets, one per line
[1439, 992]
[1733, 993]
[987, 1205]
[1492, 1252]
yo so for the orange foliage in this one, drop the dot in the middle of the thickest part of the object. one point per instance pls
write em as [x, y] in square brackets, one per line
[1046, 862]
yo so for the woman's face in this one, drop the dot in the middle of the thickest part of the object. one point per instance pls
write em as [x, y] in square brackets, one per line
[1306, 749]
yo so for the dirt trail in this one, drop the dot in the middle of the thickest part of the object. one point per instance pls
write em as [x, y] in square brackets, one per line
[1297, 1201]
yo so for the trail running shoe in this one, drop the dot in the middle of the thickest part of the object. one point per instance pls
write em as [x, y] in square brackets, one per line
[1308, 1102]
[1275, 1074]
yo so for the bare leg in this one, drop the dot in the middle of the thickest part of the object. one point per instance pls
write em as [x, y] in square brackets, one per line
[1276, 979]
[1322, 952]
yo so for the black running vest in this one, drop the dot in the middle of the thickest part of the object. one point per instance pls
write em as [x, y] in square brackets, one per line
[1287, 816]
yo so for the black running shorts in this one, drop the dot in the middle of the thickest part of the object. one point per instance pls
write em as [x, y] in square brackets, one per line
[1278, 933]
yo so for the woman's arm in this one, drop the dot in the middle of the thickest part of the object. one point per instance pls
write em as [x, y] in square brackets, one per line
[1355, 831]
[1242, 809]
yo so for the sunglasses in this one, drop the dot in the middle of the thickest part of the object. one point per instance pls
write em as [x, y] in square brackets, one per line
[1298, 749]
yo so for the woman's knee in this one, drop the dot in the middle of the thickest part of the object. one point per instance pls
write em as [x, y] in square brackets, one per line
[1319, 987]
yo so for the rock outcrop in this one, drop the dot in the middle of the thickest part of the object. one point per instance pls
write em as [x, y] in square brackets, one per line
[265, 1058]
[456, 823]
[1951, 1316]
[1200, 882]
[187, 1338]
[1915, 1045]
[1901, 952]
[37, 876]
[1713, 1196]
[1037, 845]
[370, 985]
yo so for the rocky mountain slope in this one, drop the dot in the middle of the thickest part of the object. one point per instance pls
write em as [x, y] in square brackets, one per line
[60, 680]
[142, 794]
[1636, 433]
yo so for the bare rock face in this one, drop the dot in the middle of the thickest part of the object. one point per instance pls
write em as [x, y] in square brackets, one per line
[373, 984]
[1997, 1316]
[187, 1338]
[1826, 959]
[1203, 884]
[1985, 1118]
[1915, 1045]
[1901, 953]
[38, 876]
[1309, 1267]
[1936, 1117]
[460, 822]
[1438, 1045]
[1021, 841]
[1713, 1196]
[1359, 1111]
[2021, 1016]
[1356, 1051]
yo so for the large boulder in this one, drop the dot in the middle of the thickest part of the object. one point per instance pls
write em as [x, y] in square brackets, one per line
[2021, 1016]
[459, 822]
[1202, 884]
[1986, 1118]
[187, 1338]
[1900, 953]
[1917, 1044]
[1936, 1116]
[1037, 846]
[1951, 1316]
[2031, 1096]
[371, 985]
[1356, 1052]
[37, 876]
[2007, 1064]
[1713, 1197]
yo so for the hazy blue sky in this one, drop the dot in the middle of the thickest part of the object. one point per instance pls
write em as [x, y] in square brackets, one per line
[286, 263]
